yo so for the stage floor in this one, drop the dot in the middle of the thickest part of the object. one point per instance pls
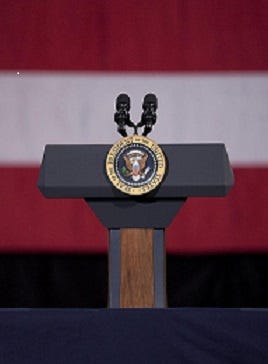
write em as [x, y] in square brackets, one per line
[133, 336]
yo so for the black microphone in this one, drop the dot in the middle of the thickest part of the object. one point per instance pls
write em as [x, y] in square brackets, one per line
[150, 102]
[123, 103]
[121, 116]
[148, 116]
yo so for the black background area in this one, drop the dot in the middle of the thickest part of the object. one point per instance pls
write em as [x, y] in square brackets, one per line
[82, 281]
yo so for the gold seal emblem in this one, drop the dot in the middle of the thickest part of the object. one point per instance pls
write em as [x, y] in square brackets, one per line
[135, 165]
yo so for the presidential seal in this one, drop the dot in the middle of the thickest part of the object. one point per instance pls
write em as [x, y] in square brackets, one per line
[135, 165]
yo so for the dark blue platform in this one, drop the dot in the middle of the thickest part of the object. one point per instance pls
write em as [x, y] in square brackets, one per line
[133, 336]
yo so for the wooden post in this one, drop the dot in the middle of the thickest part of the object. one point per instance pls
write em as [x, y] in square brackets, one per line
[137, 268]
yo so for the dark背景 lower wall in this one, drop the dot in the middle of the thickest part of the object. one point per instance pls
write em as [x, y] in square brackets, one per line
[35, 280]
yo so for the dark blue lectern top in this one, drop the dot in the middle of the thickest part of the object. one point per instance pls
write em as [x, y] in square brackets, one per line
[78, 171]
[151, 336]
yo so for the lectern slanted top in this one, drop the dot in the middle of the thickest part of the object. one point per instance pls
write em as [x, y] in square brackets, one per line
[77, 171]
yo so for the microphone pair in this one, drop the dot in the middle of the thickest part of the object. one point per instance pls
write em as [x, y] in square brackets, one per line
[148, 116]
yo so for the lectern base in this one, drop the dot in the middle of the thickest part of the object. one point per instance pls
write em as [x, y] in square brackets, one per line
[137, 268]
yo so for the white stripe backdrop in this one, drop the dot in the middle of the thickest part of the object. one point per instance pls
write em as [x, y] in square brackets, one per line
[63, 107]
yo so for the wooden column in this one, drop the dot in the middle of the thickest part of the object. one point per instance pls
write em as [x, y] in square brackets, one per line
[137, 268]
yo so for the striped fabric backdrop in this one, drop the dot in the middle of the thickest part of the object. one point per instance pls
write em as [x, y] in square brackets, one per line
[62, 64]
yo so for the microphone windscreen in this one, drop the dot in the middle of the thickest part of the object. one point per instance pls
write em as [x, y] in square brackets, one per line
[150, 99]
[123, 99]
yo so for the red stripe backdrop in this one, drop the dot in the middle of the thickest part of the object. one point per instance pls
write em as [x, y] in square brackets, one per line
[31, 223]
[116, 35]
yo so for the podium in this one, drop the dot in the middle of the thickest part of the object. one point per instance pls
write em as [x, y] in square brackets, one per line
[136, 224]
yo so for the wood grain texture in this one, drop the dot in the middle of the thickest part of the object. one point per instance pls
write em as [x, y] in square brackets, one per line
[137, 270]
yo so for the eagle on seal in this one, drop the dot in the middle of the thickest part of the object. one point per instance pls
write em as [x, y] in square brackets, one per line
[135, 163]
